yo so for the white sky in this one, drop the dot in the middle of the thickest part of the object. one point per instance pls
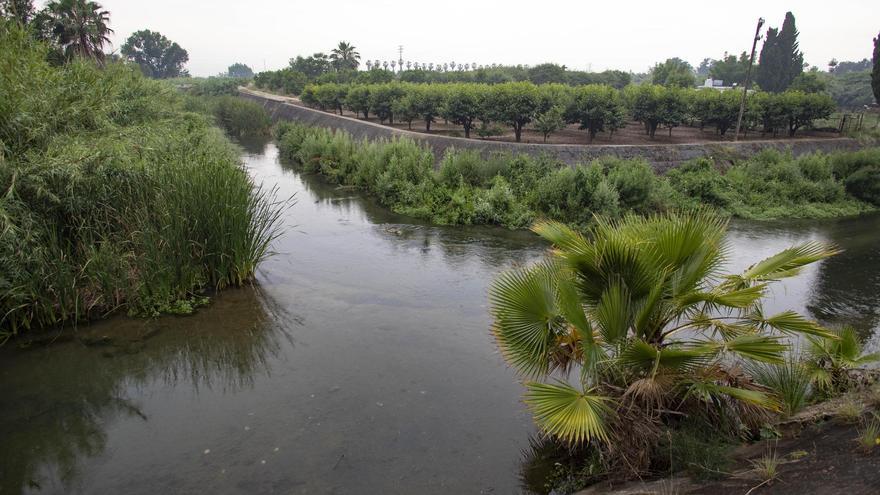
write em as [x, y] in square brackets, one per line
[585, 34]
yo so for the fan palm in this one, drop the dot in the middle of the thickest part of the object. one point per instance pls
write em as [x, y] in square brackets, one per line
[829, 360]
[640, 308]
[345, 56]
[80, 27]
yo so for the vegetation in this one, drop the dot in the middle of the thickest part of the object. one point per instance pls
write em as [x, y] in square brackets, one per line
[239, 70]
[77, 27]
[113, 196]
[596, 108]
[781, 61]
[514, 190]
[157, 56]
[674, 72]
[626, 330]
[875, 73]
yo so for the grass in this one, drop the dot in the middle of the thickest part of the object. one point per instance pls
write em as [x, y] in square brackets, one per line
[869, 435]
[766, 468]
[113, 196]
[515, 190]
[789, 381]
[849, 410]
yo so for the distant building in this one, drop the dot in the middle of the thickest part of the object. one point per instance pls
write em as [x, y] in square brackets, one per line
[716, 84]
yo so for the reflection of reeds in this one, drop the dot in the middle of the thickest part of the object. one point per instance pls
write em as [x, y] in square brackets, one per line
[224, 346]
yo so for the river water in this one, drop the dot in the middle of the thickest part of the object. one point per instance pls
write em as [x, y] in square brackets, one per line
[361, 363]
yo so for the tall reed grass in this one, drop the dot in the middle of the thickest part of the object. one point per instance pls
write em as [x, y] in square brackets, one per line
[113, 196]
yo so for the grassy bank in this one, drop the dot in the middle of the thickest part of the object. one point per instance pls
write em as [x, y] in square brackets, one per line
[514, 191]
[113, 196]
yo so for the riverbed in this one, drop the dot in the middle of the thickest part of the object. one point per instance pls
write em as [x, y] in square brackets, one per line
[360, 363]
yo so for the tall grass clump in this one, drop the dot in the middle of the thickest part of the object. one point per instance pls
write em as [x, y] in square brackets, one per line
[112, 196]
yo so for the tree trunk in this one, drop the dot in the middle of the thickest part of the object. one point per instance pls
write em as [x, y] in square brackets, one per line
[467, 130]
[517, 131]
[427, 126]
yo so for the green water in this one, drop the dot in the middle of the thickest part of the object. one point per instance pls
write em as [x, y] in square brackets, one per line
[362, 363]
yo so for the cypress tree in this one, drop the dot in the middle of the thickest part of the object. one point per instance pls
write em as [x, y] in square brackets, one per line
[875, 74]
[781, 60]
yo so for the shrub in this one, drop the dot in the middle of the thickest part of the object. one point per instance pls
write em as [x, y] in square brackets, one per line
[240, 117]
[865, 184]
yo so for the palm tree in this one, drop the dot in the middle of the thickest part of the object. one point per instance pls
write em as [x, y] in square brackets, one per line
[80, 27]
[640, 310]
[345, 56]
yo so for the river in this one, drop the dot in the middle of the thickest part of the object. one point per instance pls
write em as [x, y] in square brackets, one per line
[361, 363]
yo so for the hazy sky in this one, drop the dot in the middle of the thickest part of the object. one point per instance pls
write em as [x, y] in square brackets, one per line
[596, 35]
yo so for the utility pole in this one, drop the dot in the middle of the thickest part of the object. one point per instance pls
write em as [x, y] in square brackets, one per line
[742, 103]
[400, 58]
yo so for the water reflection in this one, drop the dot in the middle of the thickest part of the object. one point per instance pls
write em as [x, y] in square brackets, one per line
[56, 401]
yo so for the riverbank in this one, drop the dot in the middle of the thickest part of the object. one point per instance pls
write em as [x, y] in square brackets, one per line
[515, 190]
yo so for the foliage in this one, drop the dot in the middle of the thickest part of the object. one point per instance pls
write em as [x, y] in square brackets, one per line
[768, 185]
[514, 104]
[157, 56]
[875, 72]
[345, 56]
[828, 361]
[639, 312]
[789, 382]
[655, 105]
[240, 117]
[851, 90]
[730, 69]
[311, 66]
[674, 72]
[20, 11]
[239, 70]
[287, 81]
[781, 61]
[77, 27]
[113, 197]
[597, 109]
[550, 121]
[809, 82]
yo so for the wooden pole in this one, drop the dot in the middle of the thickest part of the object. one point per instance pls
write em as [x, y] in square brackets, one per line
[742, 103]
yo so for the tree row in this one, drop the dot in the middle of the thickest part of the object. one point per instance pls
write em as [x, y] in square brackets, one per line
[548, 108]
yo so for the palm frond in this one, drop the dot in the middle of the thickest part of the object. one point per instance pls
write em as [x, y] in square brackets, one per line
[789, 262]
[640, 354]
[791, 322]
[769, 349]
[524, 305]
[612, 313]
[572, 415]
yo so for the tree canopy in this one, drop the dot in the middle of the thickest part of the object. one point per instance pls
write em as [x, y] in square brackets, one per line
[76, 27]
[730, 69]
[239, 70]
[157, 56]
[345, 56]
[674, 72]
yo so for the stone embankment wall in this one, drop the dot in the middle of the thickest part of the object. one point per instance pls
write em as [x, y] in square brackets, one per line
[661, 156]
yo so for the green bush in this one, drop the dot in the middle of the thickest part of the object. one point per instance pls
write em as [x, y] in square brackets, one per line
[865, 184]
[240, 117]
